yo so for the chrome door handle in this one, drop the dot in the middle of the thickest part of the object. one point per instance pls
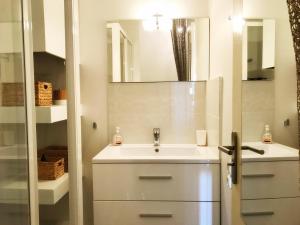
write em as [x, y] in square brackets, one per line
[263, 175]
[156, 215]
[155, 177]
[262, 213]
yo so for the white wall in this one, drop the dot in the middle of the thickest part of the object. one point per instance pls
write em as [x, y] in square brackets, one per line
[93, 17]
[285, 69]
[153, 53]
[156, 56]
[201, 43]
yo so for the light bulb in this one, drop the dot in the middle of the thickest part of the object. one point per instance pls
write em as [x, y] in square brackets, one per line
[238, 23]
[157, 22]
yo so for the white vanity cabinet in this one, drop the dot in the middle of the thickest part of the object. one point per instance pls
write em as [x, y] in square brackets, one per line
[157, 182]
[166, 194]
[156, 213]
[154, 192]
[271, 192]
[271, 180]
[272, 211]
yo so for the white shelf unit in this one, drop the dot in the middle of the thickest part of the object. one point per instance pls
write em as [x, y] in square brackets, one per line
[50, 192]
[51, 114]
[49, 30]
[44, 114]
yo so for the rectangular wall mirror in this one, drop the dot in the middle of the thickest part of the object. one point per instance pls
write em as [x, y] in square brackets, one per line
[158, 50]
[259, 49]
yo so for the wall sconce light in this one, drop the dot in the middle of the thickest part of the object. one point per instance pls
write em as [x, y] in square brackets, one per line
[157, 22]
[238, 23]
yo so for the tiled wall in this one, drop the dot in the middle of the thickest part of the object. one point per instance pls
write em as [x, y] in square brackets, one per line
[258, 108]
[213, 110]
[177, 108]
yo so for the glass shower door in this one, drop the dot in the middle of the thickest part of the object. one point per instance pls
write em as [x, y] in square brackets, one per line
[14, 185]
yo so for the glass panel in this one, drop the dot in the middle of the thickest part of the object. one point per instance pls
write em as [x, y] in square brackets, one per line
[14, 195]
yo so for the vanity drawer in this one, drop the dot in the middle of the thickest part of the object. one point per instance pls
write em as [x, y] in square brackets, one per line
[156, 213]
[162, 182]
[271, 211]
[270, 179]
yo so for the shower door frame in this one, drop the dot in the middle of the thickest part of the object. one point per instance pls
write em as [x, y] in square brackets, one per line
[30, 112]
[74, 112]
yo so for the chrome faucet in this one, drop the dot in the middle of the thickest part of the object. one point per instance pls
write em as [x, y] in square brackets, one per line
[156, 136]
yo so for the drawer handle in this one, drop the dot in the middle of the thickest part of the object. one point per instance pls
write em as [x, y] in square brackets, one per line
[156, 215]
[264, 175]
[147, 177]
[263, 213]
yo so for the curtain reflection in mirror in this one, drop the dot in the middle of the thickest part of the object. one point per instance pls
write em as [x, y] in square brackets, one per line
[182, 47]
[294, 13]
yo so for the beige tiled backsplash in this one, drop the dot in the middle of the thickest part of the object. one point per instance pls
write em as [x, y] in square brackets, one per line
[258, 108]
[177, 108]
[213, 110]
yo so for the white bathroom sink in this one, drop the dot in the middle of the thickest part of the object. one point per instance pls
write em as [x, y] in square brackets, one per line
[273, 152]
[144, 153]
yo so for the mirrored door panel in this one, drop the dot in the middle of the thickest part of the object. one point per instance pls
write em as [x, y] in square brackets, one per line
[14, 194]
[270, 150]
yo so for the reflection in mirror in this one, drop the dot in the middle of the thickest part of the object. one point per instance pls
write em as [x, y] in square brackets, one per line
[270, 155]
[259, 49]
[158, 50]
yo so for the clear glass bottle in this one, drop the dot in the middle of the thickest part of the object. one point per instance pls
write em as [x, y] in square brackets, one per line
[267, 135]
[117, 138]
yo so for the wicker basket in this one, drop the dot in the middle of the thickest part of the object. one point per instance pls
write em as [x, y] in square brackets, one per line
[43, 94]
[12, 94]
[51, 169]
[56, 151]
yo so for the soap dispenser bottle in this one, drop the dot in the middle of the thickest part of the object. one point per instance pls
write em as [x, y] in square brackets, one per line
[117, 138]
[267, 135]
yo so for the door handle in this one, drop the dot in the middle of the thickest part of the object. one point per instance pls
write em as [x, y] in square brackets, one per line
[258, 151]
[157, 177]
[156, 215]
[232, 151]
[226, 149]
[262, 213]
[262, 175]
